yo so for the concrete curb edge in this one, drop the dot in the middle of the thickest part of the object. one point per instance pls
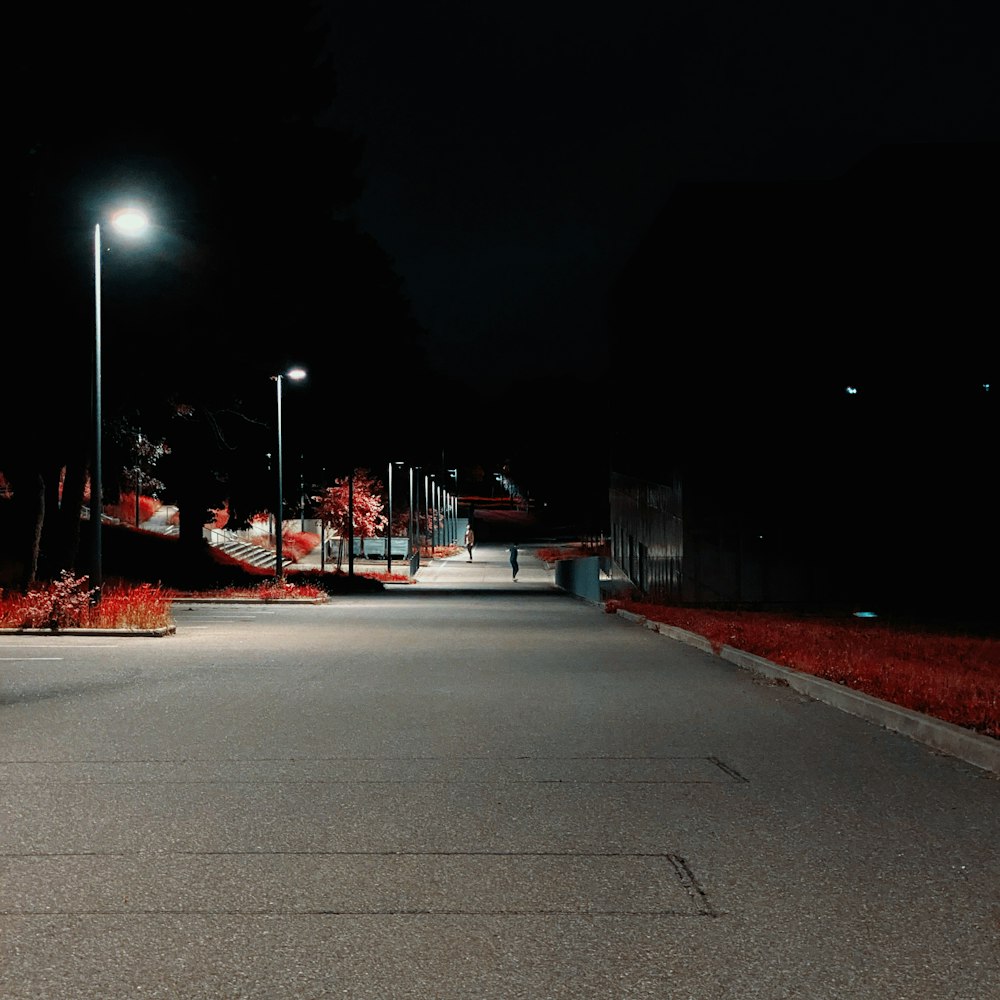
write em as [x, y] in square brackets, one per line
[973, 748]
[155, 632]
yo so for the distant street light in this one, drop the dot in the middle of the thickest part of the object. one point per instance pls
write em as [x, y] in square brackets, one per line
[410, 531]
[302, 493]
[130, 222]
[388, 530]
[436, 523]
[295, 374]
[428, 537]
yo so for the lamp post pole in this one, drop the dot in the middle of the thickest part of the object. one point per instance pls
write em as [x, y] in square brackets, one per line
[409, 525]
[350, 523]
[436, 502]
[427, 514]
[279, 567]
[436, 498]
[96, 561]
[131, 222]
[279, 560]
[388, 528]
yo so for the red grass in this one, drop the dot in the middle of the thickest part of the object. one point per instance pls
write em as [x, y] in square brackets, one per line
[951, 677]
[66, 603]
[267, 590]
[138, 606]
[384, 577]
[578, 551]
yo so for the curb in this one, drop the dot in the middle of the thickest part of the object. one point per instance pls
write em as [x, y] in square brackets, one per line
[157, 632]
[946, 737]
[249, 600]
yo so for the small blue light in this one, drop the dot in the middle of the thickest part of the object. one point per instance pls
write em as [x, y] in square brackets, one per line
[865, 614]
[851, 391]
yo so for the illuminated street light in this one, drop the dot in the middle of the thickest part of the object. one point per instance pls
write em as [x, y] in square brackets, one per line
[429, 500]
[130, 221]
[295, 374]
[411, 544]
[388, 533]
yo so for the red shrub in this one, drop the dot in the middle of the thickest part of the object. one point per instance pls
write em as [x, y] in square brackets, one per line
[124, 510]
[296, 544]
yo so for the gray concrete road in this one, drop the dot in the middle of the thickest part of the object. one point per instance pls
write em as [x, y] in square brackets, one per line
[483, 793]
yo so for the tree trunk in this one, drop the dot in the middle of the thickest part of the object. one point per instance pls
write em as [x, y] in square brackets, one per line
[60, 542]
[21, 527]
[193, 508]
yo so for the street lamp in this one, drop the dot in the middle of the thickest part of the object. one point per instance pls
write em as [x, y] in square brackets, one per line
[427, 514]
[433, 523]
[302, 493]
[130, 221]
[295, 374]
[388, 531]
[410, 534]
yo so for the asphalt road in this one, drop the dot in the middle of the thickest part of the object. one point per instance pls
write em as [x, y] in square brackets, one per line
[489, 793]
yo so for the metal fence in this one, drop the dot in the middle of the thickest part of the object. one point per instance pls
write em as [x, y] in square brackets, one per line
[647, 536]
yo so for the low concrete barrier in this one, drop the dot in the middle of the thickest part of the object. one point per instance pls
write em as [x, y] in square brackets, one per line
[580, 577]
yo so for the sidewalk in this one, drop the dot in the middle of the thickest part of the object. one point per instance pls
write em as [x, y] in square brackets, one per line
[490, 568]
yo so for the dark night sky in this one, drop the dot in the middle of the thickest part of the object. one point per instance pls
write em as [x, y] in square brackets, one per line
[516, 155]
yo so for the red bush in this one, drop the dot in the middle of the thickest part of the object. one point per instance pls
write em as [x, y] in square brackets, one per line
[296, 544]
[124, 510]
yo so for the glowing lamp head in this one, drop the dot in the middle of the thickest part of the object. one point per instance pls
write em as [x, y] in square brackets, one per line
[295, 373]
[130, 221]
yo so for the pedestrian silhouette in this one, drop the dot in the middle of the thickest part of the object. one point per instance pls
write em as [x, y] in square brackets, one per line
[470, 540]
[513, 559]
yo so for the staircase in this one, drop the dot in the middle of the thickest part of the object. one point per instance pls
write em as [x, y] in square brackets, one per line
[246, 552]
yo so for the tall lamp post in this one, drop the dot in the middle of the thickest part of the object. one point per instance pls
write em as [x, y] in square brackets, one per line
[279, 563]
[427, 515]
[388, 530]
[130, 222]
[410, 536]
[435, 506]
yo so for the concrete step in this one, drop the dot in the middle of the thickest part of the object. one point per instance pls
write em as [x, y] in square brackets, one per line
[246, 552]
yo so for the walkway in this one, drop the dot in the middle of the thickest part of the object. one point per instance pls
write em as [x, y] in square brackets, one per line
[490, 569]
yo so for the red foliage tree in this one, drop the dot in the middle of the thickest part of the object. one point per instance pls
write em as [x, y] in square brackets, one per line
[333, 506]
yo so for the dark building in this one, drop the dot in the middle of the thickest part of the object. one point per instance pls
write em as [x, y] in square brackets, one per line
[803, 369]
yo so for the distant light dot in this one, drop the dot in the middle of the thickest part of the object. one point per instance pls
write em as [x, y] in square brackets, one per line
[851, 391]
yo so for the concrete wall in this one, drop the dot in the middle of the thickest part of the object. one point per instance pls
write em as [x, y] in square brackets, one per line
[580, 577]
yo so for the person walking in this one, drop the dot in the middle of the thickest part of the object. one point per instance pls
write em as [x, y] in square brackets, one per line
[470, 540]
[513, 559]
